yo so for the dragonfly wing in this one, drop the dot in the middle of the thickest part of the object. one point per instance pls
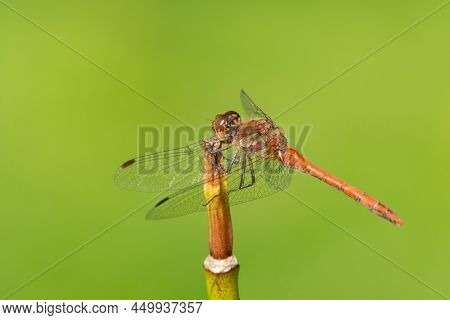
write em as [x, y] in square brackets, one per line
[172, 169]
[181, 203]
[190, 199]
[270, 176]
[251, 108]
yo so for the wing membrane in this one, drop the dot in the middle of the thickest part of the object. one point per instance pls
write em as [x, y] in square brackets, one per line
[171, 169]
[251, 108]
[270, 175]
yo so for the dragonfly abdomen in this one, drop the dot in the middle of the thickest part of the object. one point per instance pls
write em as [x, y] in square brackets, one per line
[293, 159]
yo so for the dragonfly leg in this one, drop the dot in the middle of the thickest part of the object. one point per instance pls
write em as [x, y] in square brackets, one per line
[234, 160]
[252, 173]
[244, 164]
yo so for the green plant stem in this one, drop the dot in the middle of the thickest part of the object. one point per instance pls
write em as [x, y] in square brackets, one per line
[223, 286]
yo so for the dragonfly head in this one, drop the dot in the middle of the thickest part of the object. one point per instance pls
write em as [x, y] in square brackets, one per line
[226, 125]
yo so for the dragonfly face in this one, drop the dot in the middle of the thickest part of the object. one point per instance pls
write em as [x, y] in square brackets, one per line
[226, 125]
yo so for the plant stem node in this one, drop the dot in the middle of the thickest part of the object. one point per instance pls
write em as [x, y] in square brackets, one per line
[220, 266]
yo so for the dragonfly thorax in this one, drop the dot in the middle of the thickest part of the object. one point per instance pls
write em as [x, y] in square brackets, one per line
[260, 137]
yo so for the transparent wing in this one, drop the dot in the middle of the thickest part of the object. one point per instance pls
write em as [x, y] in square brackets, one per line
[171, 169]
[270, 176]
[252, 110]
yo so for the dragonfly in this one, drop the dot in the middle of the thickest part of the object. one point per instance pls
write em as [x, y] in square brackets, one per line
[253, 156]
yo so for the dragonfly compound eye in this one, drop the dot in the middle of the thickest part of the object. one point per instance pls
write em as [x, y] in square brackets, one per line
[226, 125]
[233, 119]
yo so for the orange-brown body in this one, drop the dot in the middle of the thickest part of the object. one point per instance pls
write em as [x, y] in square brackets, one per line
[293, 159]
[261, 137]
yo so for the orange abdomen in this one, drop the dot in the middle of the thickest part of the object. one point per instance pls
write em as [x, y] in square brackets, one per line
[293, 159]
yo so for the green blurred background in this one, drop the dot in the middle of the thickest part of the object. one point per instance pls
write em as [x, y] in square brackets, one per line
[66, 126]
